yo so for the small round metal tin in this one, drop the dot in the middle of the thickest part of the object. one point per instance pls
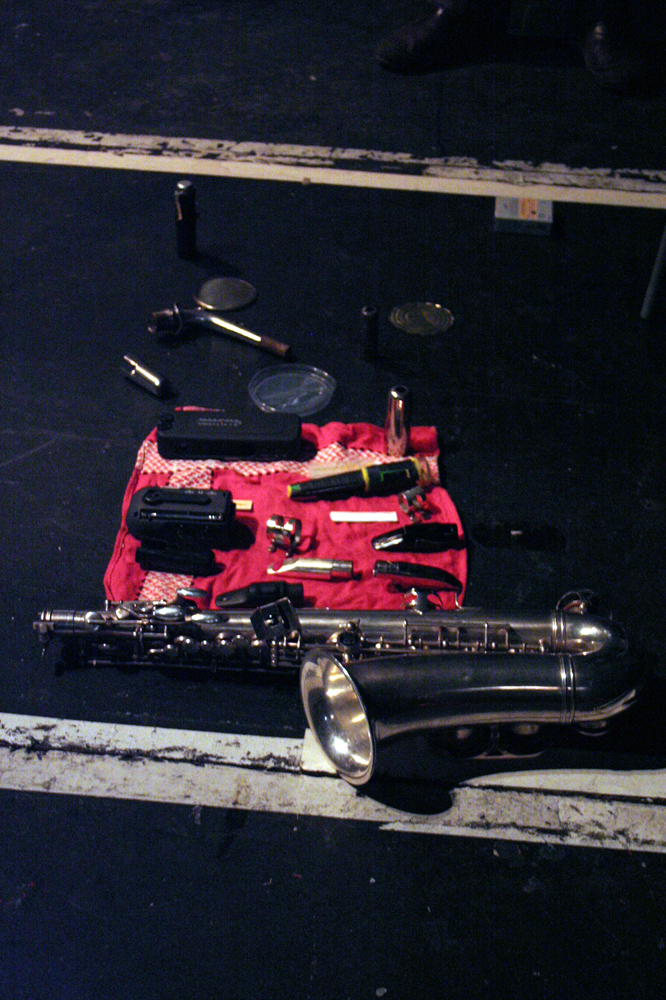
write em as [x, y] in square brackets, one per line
[423, 319]
[222, 294]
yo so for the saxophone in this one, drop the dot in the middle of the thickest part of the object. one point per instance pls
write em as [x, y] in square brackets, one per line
[488, 682]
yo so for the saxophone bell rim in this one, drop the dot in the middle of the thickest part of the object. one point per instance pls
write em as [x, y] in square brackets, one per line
[337, 716]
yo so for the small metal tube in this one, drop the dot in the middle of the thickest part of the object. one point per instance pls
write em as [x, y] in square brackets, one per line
[369, 333]
[145, 378]
[398, 421]
[186, 220]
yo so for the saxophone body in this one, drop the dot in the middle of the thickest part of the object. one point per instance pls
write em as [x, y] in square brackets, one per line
[487, 682]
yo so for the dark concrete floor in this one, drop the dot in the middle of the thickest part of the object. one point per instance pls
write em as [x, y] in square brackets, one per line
[548, 397]
[164, 903]
[298, 73]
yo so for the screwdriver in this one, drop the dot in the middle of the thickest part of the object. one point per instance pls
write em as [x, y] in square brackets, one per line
[372, 480]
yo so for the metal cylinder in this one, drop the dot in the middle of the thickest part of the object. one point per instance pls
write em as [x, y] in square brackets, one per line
[369, 333]
[186, 220]
[142, 376]
[398, 421]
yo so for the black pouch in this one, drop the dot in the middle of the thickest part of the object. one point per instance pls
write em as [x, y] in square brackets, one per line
[182, 518]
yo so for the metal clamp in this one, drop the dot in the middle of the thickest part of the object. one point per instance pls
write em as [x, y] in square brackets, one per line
[284, 533]
[415, 504]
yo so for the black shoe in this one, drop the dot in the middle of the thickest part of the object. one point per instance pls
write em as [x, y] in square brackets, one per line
[427, 43]
[615, 59]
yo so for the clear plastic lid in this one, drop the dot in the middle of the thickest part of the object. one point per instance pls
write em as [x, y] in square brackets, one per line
[298, 389]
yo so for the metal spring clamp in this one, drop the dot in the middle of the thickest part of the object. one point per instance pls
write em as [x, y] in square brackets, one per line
[415, 504]
[284, 533]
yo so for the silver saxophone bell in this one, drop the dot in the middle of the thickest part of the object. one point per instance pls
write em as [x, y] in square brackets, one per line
[353, 706]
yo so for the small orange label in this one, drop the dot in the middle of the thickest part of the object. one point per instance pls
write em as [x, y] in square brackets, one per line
[528, 208]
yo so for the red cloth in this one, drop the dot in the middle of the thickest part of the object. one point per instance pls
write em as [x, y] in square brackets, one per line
[265, 484]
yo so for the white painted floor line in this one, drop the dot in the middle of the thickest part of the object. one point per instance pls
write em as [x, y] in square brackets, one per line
[272, 774]
[333, 165]
[42, 735]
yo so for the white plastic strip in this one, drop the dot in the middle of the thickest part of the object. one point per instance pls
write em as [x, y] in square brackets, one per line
[353, 516]
[269, 774]
[333, 165]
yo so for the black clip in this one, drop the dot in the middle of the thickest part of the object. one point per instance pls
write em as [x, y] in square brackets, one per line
[275, 622]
